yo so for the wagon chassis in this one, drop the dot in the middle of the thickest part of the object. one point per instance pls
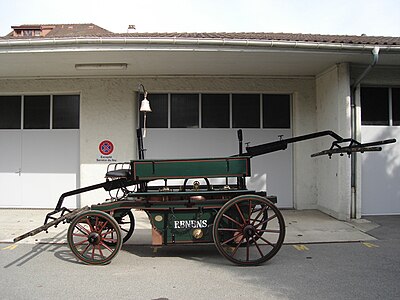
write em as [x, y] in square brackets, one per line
[246, 226]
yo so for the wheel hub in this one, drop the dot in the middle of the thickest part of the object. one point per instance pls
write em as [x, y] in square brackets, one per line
[249, 231]
[94, 238]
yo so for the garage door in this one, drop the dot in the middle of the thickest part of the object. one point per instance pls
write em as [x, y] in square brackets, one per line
[39, 149]
[205, 125]
[380, 108]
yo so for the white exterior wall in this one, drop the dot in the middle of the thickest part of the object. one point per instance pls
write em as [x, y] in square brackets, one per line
[108, 111]
[304, 167]
[333, 113]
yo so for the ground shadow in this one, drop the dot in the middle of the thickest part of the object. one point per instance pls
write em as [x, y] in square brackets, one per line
[206, 253]
[38, 249]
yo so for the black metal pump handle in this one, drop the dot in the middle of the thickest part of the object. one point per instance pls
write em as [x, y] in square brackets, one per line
[282, 144]
[141, 150]
[240, 138]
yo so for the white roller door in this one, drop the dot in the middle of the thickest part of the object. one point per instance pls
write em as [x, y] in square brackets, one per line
[40, 157]
[380, 107]
[205, 125]
[381, 173]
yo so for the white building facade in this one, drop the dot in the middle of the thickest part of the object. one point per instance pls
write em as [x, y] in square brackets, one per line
[62, 97]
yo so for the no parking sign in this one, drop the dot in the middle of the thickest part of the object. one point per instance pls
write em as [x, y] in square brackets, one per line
[106, 148]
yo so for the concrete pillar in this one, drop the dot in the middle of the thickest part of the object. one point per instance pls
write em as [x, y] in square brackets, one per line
[333, 113]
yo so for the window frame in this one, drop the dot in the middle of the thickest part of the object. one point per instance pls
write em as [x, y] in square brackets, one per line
[66, 123]
[29, 123]
[50, 114]
[18, 98]
[391, 109]
[391, 120]
[196, 119]
[200, 115]
[257, 114]
[228, 112]
[141, 116]
[288, 114]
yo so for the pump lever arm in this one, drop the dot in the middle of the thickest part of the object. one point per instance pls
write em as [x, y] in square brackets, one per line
[282, 144]
[352, 147]
[337, 145]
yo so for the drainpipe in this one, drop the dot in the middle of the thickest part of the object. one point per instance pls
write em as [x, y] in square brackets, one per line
[353, 88]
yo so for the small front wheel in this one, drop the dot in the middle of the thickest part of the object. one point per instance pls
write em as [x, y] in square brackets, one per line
[94, 237]
[248, 230]
[126, 221]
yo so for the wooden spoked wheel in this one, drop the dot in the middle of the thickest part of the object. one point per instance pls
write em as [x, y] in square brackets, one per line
[248, 230]
[126, 221]
[94, 237]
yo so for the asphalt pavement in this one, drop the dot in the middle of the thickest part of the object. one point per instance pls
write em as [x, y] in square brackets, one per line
[352, 270]
[322, 259]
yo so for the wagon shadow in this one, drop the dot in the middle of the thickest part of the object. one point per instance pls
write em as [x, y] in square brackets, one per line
[206, 253]
[54, 244]
[67, 256]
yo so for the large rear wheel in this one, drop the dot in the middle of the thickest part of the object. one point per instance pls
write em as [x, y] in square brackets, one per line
[249, 230]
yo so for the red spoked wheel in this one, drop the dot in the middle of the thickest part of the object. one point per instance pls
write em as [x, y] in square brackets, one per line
[126, 222]
[248, 230]
[94, 237]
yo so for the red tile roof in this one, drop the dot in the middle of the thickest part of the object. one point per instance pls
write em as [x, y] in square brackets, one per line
[63, 30]
[268, 36]
[92, 30]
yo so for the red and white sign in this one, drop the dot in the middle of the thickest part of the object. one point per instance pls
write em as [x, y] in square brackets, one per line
[106, 147]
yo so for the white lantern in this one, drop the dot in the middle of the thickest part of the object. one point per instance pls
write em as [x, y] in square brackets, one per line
[144, 108]
[145, 105]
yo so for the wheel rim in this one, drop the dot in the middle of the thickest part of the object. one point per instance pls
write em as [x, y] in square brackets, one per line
[94, 237]
[249, 230]
[126, 223]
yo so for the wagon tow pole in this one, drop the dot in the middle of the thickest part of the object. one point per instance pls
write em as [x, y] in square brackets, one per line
[65, 218]
[65, 214]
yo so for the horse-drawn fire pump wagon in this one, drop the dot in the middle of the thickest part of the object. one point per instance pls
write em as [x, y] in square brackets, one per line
[245, 225]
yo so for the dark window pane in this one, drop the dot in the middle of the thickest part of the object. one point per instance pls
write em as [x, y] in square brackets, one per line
[276, 111]
[246, 110]
[215, 111]
[66, 112]
[396, 106]
[184, 110]
[158, 118]
[10, 112]
[374, 106]
[37, 112]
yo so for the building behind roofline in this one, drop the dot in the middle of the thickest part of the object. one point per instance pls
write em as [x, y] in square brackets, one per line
[69, 105]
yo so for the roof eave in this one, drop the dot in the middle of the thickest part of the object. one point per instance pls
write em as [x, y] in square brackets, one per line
[28, 45]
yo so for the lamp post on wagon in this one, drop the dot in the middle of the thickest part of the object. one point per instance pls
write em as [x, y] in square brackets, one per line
[144, 108]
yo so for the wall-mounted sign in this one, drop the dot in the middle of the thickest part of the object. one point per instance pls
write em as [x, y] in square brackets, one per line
[106, 148]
